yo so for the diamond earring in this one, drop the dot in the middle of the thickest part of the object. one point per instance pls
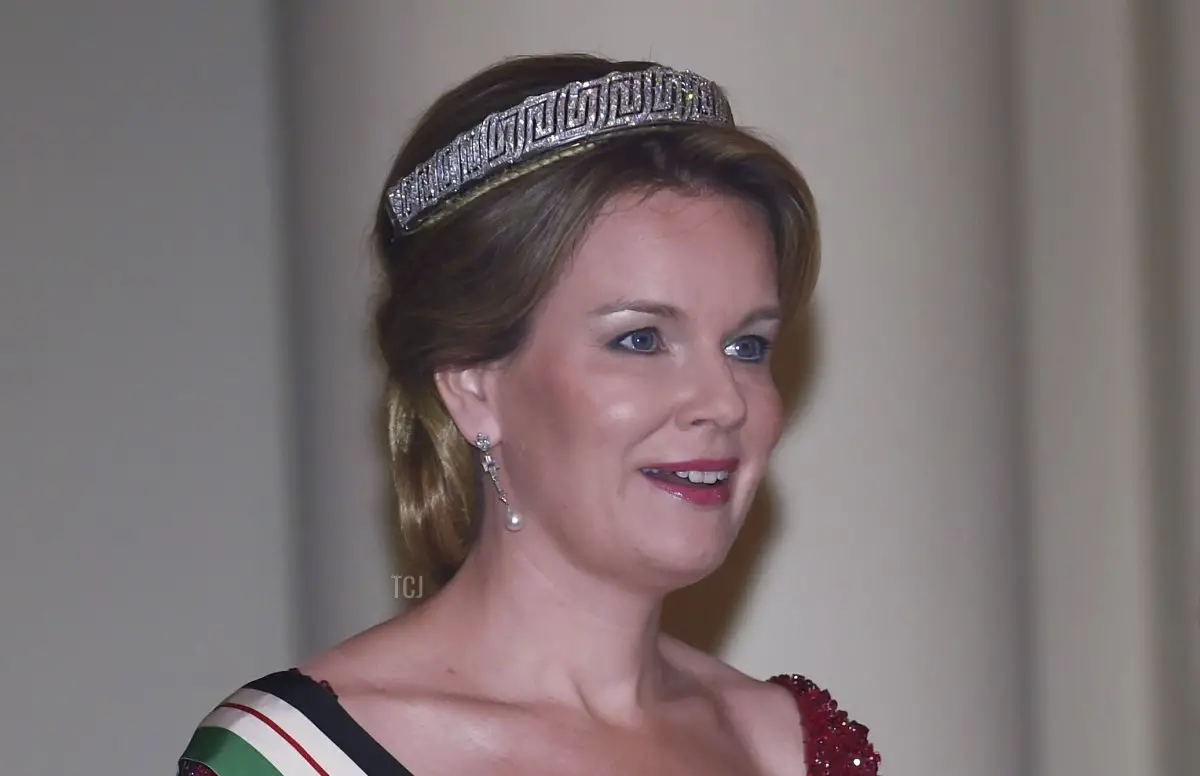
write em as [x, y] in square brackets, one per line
[512, 520]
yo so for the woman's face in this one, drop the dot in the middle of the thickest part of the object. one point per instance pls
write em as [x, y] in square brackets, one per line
[637, 420]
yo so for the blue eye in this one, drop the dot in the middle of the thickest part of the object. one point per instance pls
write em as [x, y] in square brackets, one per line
[752, 349]
[640, 341]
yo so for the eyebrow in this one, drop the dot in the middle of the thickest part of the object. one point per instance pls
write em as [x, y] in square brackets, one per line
[663, 310]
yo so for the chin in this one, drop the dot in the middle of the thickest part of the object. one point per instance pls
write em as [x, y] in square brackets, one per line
[675, 559]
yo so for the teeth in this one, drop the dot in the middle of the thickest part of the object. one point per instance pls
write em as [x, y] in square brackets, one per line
[695, 477]
[707, 478]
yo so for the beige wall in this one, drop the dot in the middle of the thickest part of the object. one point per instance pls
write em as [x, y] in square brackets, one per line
[1090, 424]
[1110, 457]
[1185, 22]
[143, 455]
[967, 539]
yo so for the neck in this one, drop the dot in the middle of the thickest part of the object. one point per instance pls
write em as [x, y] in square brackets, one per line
[545, 629]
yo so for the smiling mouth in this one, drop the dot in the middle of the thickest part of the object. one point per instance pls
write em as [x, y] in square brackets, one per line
[688, 477]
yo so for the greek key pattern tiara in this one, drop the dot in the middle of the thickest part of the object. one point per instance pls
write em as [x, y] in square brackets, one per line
[576, 113]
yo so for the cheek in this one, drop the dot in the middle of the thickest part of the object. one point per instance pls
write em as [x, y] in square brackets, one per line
[624, 409]
[576, 415]
[537, 415]
[600, 394]
[764, 421]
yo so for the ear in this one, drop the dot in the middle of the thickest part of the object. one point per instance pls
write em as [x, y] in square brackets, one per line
[469, 396]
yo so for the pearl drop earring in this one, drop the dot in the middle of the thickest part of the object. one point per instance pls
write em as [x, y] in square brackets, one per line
[512, 520]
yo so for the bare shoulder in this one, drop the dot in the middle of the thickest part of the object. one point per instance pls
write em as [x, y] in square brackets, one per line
[765, 713]
[791, 722]
[403, 701]
[342, 665]
[411, 708]
[788, 723]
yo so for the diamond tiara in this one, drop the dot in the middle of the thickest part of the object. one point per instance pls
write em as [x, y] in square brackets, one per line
[576, 113]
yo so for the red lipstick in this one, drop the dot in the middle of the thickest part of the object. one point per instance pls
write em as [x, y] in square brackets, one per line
[662, 475]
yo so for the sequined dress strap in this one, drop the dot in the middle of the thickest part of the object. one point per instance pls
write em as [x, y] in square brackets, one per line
[835, 745]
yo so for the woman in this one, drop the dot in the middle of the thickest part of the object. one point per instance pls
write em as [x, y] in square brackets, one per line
[586, 265]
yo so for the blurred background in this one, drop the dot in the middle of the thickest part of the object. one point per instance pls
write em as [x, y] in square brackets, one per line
[984, 525]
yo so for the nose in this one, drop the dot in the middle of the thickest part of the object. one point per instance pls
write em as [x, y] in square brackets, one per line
[713, 396]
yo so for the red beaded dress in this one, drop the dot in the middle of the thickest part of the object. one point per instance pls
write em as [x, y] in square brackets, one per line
[288, 724]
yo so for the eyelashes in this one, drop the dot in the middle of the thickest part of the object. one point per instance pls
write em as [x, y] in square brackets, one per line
[751, 348]
[756, 355]
[639, 341]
